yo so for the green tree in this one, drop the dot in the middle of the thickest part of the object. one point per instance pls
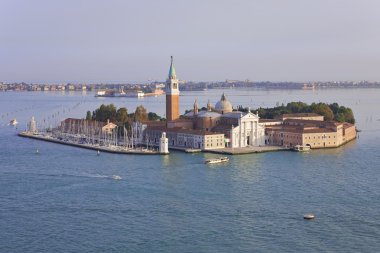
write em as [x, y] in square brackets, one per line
[297, 107]
[322, 109]
[88, 115]
[122, 115]
[140, 114]
[345, 114]
[105, 112]
[329, 111]
[153, 116]
[334, 107]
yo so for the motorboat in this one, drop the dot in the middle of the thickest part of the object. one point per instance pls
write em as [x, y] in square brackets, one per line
[116, 177]
[217, 160]
[300, 148]
[13, 122]
[309, 216]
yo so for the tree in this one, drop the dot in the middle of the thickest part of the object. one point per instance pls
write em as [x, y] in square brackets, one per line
[105, 112]
[140, 113]
[297, 107]
[122, 115]
[88, 115]
[345, 114]
[329, 111]
[334, 107]
[322, 109]
[153, 116]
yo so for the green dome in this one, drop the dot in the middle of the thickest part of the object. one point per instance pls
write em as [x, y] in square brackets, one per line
[172, 74]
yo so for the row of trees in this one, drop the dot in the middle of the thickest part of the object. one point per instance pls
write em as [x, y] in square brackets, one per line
[329, 111]
[121, 115]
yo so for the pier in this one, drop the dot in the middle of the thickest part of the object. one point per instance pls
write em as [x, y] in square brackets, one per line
[109, 149]
[247, 150]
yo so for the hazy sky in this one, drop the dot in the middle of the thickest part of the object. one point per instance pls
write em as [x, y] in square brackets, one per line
[122, 40]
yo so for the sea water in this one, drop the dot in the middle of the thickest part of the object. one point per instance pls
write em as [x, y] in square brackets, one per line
[64, 199]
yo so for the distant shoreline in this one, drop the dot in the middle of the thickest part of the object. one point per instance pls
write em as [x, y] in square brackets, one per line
[189, 85]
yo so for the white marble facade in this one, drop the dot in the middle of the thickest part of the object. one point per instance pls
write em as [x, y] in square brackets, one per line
[248, 132]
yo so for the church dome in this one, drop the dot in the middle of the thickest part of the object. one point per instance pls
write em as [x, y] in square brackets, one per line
[223, 106]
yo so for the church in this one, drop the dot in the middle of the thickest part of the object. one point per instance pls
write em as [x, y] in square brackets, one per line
[216, 127]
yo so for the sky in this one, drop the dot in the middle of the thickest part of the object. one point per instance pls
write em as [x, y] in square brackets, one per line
[116, 41]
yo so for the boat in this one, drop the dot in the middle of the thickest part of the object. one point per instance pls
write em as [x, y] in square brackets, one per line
[98, 152]
[309, 216]
[300, 148]
[217, 160]
[116, 177]
[13, 122]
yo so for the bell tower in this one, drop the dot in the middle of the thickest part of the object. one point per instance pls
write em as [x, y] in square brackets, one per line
[172, 94]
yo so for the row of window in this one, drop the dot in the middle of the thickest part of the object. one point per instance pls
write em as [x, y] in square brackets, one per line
[319, 137]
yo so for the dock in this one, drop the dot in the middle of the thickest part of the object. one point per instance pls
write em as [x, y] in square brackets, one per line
[233, 151]
[246, 150]
[108, 149]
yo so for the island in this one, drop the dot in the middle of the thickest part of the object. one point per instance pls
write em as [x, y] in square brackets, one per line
[218, 128]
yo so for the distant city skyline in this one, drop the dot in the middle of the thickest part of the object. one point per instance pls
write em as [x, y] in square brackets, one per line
[131, 41]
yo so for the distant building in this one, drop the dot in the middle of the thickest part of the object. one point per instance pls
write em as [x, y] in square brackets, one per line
[70, 87]
[109, 127]
[313, 133]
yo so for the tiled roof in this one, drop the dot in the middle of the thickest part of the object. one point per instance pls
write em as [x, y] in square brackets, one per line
[234, 114]
[311, 114]
[270, 120]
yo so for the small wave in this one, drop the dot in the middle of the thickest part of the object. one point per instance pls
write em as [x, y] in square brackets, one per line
[94, 176]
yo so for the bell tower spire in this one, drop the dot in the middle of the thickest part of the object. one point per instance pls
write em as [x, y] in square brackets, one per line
[172, 70]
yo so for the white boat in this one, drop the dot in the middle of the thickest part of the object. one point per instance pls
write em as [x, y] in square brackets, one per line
[217, 160]
[116, 177]
[300, 148]
[309, 216]
[13, 122]
[135, 94]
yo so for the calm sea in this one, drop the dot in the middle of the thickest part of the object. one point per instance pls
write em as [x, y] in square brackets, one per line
[65, 200]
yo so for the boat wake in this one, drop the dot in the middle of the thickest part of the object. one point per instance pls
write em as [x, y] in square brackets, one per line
[99, 176]
[115, 177]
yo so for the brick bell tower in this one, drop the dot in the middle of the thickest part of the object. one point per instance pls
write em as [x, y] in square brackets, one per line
[172, 95]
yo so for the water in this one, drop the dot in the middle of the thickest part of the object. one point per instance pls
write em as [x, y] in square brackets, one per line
[64, 198]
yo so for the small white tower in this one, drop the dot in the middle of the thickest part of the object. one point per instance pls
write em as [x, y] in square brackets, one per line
[164, 144]
[32, 126]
